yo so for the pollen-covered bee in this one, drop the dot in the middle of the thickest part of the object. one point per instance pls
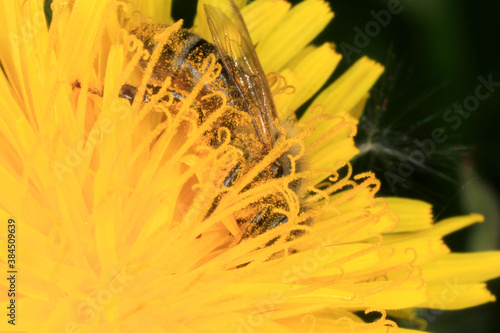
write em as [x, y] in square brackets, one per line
[242, 82]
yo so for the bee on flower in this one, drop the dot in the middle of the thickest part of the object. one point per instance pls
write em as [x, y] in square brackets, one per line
[164, 183]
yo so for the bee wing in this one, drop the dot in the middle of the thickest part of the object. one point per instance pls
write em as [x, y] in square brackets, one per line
[237, 53]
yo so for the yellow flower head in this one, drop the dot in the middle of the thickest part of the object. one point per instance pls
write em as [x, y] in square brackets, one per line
[142, 195]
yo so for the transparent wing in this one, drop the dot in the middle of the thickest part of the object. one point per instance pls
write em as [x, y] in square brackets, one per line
[237, 53]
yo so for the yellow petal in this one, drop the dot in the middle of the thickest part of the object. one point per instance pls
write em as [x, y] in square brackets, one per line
[297, 29]
[331, 142]
[347, 91]
[439, 229]
[80, 35]
[413, 214]
[284, 95]
[159, 11]
[262, 16]
[313, 66]
[23, 52]
[468, 267]
[419, 251]
[450, 295]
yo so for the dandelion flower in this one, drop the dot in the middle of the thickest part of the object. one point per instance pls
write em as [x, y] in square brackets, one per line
[125, 221]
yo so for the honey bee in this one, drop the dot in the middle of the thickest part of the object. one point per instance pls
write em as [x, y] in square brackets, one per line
[241, 80]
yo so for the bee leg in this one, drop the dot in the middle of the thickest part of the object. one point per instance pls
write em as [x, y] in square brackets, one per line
[277, 220]
[128, 92]
[233, 175]
[258, 224]
[267, 221]
[229, 181]
[276, 169]
[264, 221]
[215, 203]
[76, 84]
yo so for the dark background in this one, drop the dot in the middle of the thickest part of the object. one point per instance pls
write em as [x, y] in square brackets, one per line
[433, 52]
